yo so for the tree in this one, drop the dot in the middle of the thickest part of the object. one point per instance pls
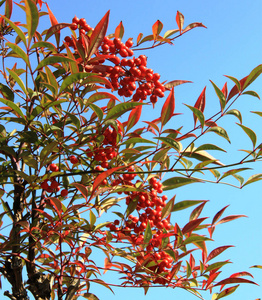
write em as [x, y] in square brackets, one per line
[73, 146]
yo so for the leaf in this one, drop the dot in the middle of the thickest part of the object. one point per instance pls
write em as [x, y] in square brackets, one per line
[216, 252]
[230, 218]
[253, 178]
[156, 29]
[197, 115]
[168, 108]
[98, 35]
[139, 37]
[185, 204]
[20, 52]
[137, 140]
[8, 8]
[16, 29]
[193, 25]
[103, 176]
[54, 22]
[218, 215]
[237, 83]
[32, 18]
[6, 92]
[208, 147]
[120, 109]
[235, 113]
[119, 32]
[197, 211]
[73, 78]
[51, 60]
[53, 29]
[251, 93]
[168, 33]
[90, 296]
[227, 292]
[202, 156]
[220, 95]
[232, 172]
[191, 225]
[224, 90]
[236, 90]
[174, 83]
[180, 21]
[220, 131]
[195, 238]
[13, 106]
[46, 151]
[252, 76]
[251, 134]
[175, 182]
[98, 111]
[234, 280]
[168, 208]
[216, 266]
[170, 142]
[200, 103]
[100, 95]
[134, 117]
[148, 234]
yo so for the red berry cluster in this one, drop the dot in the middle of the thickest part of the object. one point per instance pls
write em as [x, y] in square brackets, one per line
[107, 149]
[53, 187]
[149, 208]
[131, 77]
[83, 27]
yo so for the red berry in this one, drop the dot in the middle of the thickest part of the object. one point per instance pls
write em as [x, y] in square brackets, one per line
[64, 193]
[129, 43]
[74, 26]
[74, 160]
[75, 20]
[53, 168]
[82, 22]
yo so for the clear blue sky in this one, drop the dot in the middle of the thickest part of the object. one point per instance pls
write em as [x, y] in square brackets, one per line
[231, 45]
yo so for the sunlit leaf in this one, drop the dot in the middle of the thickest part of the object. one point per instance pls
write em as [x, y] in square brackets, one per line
[32, 18]
[179, 21]
[168, 108]
[251, 134]
[175, 182]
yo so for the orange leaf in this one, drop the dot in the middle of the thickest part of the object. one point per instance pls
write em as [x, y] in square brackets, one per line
[157, 28]
[82, 189]
[134, 117]
[200, 103]
[168, 108]
[119, 32]
[180, 21]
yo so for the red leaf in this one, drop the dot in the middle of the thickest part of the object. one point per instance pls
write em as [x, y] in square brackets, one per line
[98, 35]
[211, 278]
[156, 28]
[168, 108]
[234, 91]
[54, 22]
[56, 203]
[230, 218]
[224, 90]
[218, 215]
[216, 252]
[192, 225]
[82, 189]
[174, 83]
[8, 8]
[119, 32]
[103, 176]
[200, 103]
[234, 280]
[134, 117]
[179, 21]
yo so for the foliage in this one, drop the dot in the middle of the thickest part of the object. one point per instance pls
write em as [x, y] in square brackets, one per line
[73, 147]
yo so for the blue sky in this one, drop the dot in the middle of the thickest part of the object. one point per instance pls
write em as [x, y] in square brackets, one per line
[231, 45]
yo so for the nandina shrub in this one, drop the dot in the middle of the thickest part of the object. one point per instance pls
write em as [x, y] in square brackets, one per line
[81, 149]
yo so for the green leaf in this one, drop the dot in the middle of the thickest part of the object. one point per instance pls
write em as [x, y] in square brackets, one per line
[20, 52]
[120, 109]
[252, 76]
[251, 93]
[220, 95]
[185, 204]
[195, 238]
[32, 18]
[168, 208]
[18, 80]
[202, 156]
[13, 106]
[168, 33]
[6, 92]
[16, 29]
[198, 114]
[226, 292]
[220, 131]
[46, 151]
[43, 44]
[98, 111]
[175, 182]
[216, 265]
[252, 179]
[170, 142]
[90, 296]
[251, 134]
[53, 60]
[73, 78]
[148, 234]
[137, 140]
[237, 83]
[209, 147]
[235, 113]
[233, 172]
